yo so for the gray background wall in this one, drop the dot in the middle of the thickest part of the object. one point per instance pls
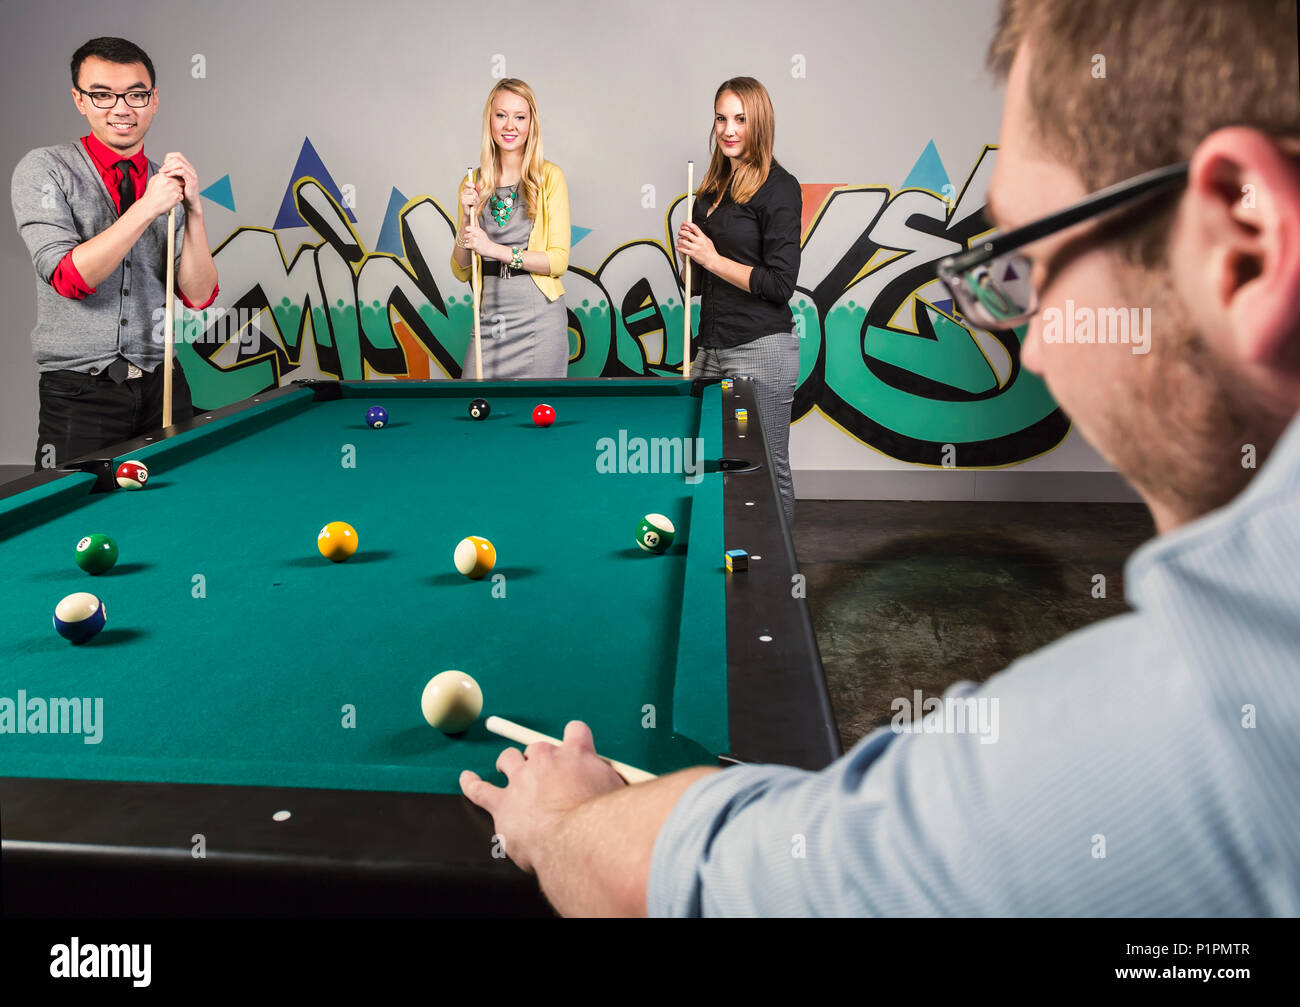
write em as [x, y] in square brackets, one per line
[390, 93]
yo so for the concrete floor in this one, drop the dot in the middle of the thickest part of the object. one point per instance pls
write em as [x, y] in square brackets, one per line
[918, 595]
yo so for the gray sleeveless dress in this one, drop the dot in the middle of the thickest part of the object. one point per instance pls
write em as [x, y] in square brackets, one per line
[524, 334]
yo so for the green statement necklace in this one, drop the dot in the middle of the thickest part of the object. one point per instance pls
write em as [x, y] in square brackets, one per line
[503, 206]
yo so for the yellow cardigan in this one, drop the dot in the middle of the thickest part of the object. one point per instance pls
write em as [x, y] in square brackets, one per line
[550, 232]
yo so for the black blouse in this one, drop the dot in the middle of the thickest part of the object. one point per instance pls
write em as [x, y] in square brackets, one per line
[763, 233]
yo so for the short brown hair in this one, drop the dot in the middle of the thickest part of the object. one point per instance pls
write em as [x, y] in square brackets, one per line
[1175, 72]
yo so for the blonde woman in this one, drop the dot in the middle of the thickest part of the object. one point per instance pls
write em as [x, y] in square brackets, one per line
[744, 236]
[516, 216]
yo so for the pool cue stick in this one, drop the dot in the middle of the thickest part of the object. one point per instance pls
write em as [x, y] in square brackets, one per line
[169, 306]
[686, 322]
[476, 270]
[526, 736]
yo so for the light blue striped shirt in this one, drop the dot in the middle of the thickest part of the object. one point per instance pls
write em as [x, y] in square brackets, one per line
[1148, 765]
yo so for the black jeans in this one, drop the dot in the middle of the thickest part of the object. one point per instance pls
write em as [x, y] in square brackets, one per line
[82, 413]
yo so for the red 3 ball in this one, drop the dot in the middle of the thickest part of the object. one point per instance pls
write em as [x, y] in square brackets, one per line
[543, 415]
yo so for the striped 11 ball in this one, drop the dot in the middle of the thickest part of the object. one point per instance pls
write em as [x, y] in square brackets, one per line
[377, 417]
[132, 475]
[655, 533]
[543, 415]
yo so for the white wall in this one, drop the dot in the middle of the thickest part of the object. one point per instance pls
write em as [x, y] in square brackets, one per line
[390, 94]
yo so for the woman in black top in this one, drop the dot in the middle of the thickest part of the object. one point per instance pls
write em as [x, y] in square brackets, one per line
[744, 239]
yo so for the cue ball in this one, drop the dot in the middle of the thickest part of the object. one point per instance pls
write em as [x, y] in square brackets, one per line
[480, 409]
[451, 701]
[543, 415]
[132, 475]
[377, 417]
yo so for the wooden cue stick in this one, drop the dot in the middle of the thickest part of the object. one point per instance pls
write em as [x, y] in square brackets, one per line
[169, 306]
[476, 276]
[686, 322]
[526, 736]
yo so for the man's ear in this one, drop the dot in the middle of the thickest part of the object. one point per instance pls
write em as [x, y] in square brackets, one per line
[1243, 206]
[77, 99]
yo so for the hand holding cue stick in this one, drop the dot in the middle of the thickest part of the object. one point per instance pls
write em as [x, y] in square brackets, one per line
[169, 306]
[521, 735]
[686, 322]
[476, 271]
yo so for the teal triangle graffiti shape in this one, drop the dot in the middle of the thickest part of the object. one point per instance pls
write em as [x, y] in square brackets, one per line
[928, 172]
[577, 234]
[390, 234]
[309, 165]
[220, 193]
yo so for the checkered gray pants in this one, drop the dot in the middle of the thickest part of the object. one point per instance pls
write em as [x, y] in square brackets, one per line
[773, 362]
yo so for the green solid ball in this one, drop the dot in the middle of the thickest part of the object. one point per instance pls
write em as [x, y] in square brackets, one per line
[96, 553]
[655, 533]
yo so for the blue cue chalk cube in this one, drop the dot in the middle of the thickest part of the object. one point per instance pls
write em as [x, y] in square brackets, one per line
[742, 415]
[737, 560]
[726, 384]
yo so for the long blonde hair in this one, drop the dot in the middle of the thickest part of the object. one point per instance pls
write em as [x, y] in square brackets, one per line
[489, 170]
[760, 131]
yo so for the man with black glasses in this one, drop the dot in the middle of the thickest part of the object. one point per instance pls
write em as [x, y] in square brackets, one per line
[1148, 765]
[94, 217]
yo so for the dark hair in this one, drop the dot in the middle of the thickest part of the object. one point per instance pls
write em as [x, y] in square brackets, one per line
[115, 50]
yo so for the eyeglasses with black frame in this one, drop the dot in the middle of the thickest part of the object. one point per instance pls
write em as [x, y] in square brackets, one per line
[109, 99]
[991, 283]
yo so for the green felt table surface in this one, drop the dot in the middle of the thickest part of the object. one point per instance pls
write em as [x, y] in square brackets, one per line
[235, 653]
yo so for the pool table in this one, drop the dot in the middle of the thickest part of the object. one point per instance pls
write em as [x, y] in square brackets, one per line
[253, 741]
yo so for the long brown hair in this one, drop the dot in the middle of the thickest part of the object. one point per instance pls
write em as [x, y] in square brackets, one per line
[760, 131]
[530, 176]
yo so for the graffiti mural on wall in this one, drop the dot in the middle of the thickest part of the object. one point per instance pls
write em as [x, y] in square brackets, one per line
[884, 357]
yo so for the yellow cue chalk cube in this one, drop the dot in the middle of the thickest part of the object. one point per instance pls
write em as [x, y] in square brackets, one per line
[742, 415]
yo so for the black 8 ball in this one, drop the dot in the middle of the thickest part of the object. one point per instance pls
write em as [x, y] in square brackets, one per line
[479, 409]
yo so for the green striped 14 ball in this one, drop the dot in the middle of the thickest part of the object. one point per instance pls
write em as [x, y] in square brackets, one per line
[655, 533]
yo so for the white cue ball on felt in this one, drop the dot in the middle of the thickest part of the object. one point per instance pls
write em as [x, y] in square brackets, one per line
[451, 701]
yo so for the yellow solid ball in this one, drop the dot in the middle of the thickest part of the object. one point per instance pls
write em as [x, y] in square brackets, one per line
[451, 701]
[337, 541]
[475, 557]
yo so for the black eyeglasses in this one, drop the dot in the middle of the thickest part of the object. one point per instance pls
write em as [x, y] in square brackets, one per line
[109, 99]
[991, 283]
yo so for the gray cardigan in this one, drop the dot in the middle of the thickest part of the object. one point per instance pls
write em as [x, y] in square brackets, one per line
[60, 200]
